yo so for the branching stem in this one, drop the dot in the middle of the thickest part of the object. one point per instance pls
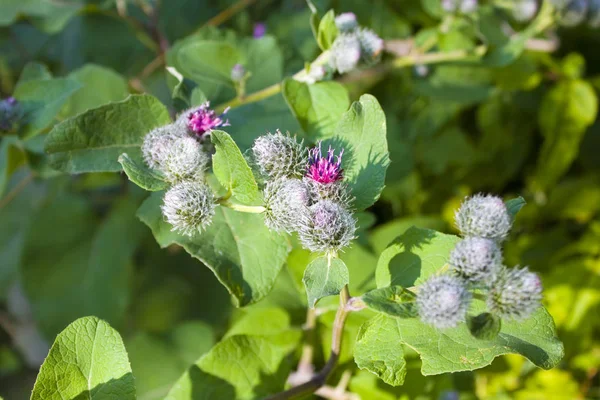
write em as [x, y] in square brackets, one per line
[318, 380]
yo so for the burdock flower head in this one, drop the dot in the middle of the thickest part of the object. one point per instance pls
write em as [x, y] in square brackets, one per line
[203, 119]
[324, 176]
[324, 169]
[10, 111]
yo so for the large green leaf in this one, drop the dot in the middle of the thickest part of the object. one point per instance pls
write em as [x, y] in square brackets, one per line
[362, 134]
[11, 157]
[69, 271]
[324, 276]
[232, 170]
[94, 140]
[87, 361]
[379, 351]
[41, 100]
[455, 349]
[392, 300]
[414, 256]
[317, 107]
[249, 363]
[101, 85]
[244, 255]
[566, 112]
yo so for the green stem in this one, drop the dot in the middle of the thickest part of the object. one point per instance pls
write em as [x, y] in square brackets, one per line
[320, 378]
[242, 208]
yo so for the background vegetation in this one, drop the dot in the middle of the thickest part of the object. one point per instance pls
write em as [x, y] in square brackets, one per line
[519, 121]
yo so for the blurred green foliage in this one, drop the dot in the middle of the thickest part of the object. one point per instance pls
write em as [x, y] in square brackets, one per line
[520, 121]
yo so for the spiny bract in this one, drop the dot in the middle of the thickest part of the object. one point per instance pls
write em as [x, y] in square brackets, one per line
[327, 227]
[286, 203]
[185, 159]
[442, 301]
[346, 22]
[189, 207]
[484, 216]
[157, 144]
[476, 259]
[515, 293]
[345, 53]
[278, 155]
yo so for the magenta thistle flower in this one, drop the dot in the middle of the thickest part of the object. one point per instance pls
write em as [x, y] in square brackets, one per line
[259, 30]
[205, 120]
[326, 169]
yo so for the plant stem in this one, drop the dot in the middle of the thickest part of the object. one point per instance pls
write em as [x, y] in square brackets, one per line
[227, 13]
[16, 190]
[242, 208]
[320, 378]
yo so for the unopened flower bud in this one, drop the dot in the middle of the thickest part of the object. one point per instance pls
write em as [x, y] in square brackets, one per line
[515, 293]
[476, 259]
[594, 14]
[574, 13]
[442, 301]
[189, 207]
[371, 45]
[524, 10]
[345, 53]
[484, 216]
[238, 72]
[327, 227]
[286, 203]
[185, 159]
[278, 155]
[157, 144]
[346, 22]
[259, 30]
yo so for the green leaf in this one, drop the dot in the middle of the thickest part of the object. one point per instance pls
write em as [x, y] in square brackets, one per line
[87, 360]
[261, 322]
[139, 173]
[94, 140]
[11, 157]
[393, 300]
[232, 170]
[244, 366]
[324, 276]
[68, 270]
[100, 86]
[484, 326]
[455, 349]
[566, 112]
[207, 61]
[317, 107]
[413, 257]
[41, 100]
[34, 71]
[379, 351]
[514, 206]
[327, 31]
[244, 255]
[362, 134]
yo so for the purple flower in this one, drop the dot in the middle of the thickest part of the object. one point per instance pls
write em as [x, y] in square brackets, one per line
[205, 119]
[259, 30]
[326, 169]
[12, 101]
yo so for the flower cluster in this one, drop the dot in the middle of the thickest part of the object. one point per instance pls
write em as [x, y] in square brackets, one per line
[10, 112]
[176, 152]
[305, 193]
[575, 12]
[353, 45]
[476, 263]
